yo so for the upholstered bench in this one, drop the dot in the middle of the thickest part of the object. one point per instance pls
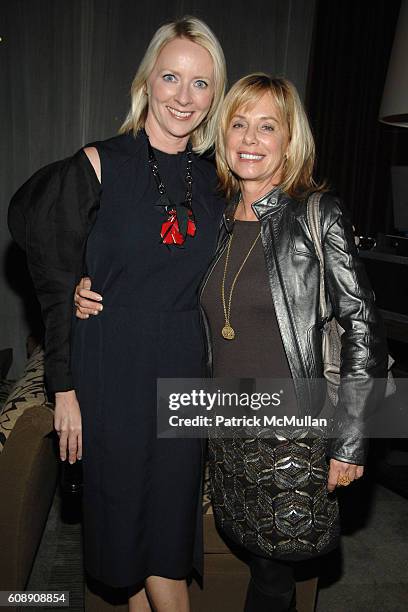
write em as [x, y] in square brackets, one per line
[28, 473]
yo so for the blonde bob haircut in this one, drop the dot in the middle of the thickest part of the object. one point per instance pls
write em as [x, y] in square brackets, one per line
[297, 180]
[197, 31]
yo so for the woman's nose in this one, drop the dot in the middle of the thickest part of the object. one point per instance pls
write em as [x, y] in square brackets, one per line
[183, 96]
[249, 136]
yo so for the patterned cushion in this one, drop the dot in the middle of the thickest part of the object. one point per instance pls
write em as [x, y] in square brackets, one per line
[27, 392]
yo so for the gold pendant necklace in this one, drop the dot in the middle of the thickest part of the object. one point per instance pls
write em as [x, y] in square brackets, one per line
[228, 331]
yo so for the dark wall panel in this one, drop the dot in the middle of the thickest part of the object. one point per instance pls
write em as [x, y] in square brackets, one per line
[349, 61]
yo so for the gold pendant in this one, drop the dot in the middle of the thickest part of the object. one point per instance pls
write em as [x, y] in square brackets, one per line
[227, 332]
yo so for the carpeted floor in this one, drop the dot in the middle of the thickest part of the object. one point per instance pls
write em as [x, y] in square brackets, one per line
[58, 564]
[369, 574]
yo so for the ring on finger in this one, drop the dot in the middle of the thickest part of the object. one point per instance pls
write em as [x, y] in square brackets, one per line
[343, 480]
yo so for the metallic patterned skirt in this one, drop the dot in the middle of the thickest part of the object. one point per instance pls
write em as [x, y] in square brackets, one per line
[269, 495]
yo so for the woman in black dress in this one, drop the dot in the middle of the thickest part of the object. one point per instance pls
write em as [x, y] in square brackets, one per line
[139, 213]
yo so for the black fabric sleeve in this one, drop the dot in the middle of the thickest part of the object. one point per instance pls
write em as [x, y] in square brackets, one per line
[50, 217]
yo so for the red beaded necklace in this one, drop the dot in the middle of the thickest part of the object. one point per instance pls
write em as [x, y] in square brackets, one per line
[180, 221]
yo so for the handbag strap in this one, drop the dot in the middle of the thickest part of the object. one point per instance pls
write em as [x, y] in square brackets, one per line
[313, 218]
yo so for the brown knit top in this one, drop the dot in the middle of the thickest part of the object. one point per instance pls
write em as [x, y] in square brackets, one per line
[257, 350]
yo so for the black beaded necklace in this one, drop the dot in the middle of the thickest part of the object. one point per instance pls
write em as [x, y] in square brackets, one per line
[180, 221]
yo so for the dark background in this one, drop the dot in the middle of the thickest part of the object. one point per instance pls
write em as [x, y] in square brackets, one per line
[66, 68]
[348, 65]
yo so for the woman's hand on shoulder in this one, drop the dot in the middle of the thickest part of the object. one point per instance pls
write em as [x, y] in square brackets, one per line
[87, 302]
[68, 425]
[340, 470]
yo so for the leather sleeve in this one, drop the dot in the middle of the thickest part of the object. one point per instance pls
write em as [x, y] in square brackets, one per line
[50, 217]
[364, 354]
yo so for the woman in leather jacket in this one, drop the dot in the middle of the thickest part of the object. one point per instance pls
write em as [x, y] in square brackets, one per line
[260, 304]
[273, 497]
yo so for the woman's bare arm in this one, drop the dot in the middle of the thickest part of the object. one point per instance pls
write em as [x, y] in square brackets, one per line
[93, 156]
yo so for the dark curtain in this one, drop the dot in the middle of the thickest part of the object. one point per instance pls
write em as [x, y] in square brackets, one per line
[349, 59]
[66, 68]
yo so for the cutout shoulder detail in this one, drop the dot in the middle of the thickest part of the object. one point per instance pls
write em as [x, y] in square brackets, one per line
[93, 156]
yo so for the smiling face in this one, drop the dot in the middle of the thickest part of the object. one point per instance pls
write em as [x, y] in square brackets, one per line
[180, 90]
[256, 142]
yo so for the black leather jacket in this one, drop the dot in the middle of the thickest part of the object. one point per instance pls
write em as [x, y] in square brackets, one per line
[294, 281]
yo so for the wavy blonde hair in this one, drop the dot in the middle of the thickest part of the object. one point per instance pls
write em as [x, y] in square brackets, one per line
[197, 31]
[297, 178]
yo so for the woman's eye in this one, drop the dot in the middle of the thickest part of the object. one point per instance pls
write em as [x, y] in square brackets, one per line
[237, 124]
[169, 77]
[268, 128]
[201, 84]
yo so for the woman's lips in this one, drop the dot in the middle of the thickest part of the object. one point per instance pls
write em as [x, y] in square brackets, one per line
[180, 115]
[253, 157]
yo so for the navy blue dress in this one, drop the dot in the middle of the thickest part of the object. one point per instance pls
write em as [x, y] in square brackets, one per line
[142, 495]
